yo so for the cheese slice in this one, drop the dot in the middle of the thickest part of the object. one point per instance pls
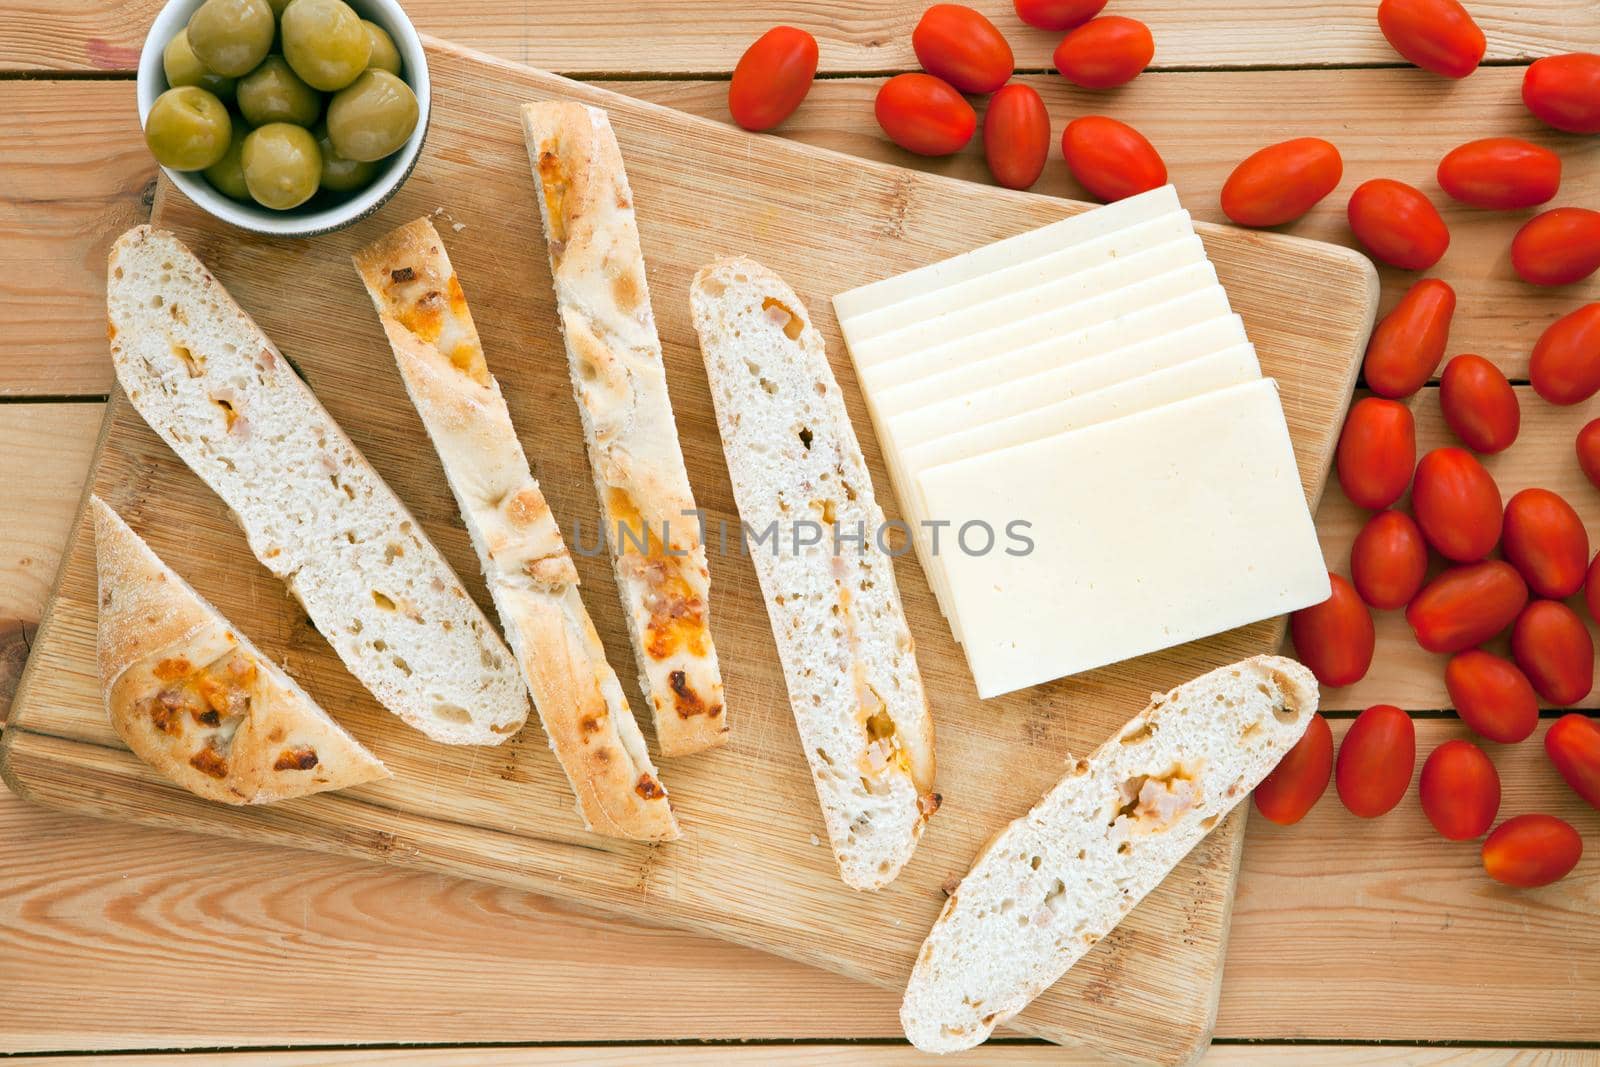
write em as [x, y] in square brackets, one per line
[1018, 349]
[1147, 351]
[910, 344]
[1086, 225]
[1148, 531]
[945, 305]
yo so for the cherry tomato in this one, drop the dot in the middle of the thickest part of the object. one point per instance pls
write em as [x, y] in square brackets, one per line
[1564, 91]
[1504, 173]
[1492, 696]
[1300, 778]
[1457, 505]
[1398, 224]
[772, 77]
[1558, 247]
[1553, 648]
[958, 44]
[1105, 52]
[1459, 790]
[1057, 14]
[1573, 745]
[1016, 136]
[1377, 451]
[1111, 159]
[1546, 542]
[1408, 343]
[1531, 850]
[1479, 405]
[1389, 560]
[1591, 588]
[1565, 365]
[923, 114]
[1588, 448]
[1335, 638]
[1436, 35]
[1467, 605]
[1281, 182]
[1376, 759]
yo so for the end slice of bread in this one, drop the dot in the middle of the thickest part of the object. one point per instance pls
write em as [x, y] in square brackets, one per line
[799, 479]
[1051, 884]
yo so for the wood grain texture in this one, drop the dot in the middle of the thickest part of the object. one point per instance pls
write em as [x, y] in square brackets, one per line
[504, 814]
[575, 36]
[1543, 456]
[1344, 929]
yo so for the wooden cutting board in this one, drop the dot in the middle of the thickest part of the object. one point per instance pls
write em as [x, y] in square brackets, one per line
[754, 866]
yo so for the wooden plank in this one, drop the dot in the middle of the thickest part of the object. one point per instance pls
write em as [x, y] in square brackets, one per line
[750, 808]
[705, 37]
[1343, 929]
[47, 449]
[74, 174]
[1542, 456]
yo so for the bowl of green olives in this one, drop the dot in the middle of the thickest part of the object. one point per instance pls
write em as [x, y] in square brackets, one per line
[285, 117]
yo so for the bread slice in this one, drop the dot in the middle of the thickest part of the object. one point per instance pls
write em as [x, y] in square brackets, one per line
[530, 574]
[1057, 880]
[651, 525]
[197, 701]
[847, 654]
[316, 514]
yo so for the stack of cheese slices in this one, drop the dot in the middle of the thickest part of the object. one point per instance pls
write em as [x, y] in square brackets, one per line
[1081, 440]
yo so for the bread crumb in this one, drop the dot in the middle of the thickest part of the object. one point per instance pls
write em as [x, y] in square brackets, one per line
[815, 840]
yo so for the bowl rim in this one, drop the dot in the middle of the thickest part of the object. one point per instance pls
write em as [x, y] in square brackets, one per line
[152, 82]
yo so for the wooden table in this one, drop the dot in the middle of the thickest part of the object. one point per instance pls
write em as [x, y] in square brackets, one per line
[1346, 934]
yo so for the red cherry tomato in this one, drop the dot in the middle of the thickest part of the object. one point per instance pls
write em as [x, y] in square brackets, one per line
[1335, 638]
[1398, 224]
[1281, 182]
[1376, 759]
[1564, 91]
[1553, 647]
[1558, 247]
[1377, 451]
[1504, 173]
[1111, 159]
[1531, 850]
[963, 47]
[1591, 588]
[1573, 745]
[923, 114]
[1105, 52]
[1459, 790]
[1016, 136]
[1545, 540]
[1492, 696]
[1467, 605]
[1057, 14]
[1479, 405]
[1436, 35]
[1457, 505]
[772, 77]
[1588, 448]
[1299, 779]
[1389, 560]
[1565, 365]
[1408, 343]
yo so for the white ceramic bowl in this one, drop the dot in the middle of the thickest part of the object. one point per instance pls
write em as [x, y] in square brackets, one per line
[313, 217]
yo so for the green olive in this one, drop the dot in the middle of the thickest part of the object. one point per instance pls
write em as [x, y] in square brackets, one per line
[273, 93]
[183, 67]
[385, 56]
[281, 165]
[187, 128]
[341, 175]
[324, 42]
[226, 175]
[373, 117]
[232, 36]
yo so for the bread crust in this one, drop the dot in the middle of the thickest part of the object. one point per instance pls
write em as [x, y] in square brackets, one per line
[530, 574]
[614, 355]
[194, 699]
